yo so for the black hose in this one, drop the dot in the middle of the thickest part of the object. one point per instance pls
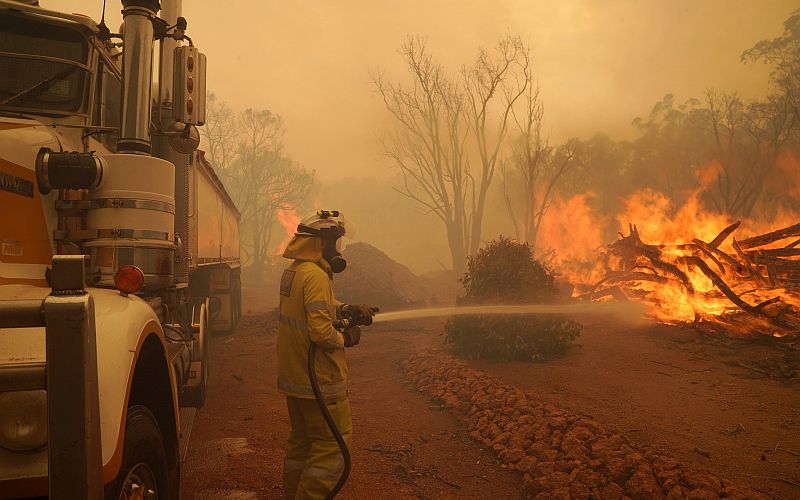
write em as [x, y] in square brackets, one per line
[326, 414]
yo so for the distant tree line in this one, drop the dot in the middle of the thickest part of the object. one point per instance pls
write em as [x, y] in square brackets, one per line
[454, 131]
[745, 152]
[247, 152]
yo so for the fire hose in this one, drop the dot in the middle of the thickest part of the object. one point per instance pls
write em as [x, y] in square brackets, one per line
[341, 325]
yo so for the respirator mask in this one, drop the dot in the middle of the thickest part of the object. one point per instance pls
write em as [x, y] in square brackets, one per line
[331, 252]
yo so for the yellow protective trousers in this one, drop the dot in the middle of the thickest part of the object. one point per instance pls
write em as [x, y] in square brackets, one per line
[313, 461]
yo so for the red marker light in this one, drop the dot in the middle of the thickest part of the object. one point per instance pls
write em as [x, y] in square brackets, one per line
[129, 279]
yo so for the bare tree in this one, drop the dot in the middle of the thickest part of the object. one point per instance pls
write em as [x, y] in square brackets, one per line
[428, 146]
[248, 152]
[537, 166]
[493, 85]
[435, 114]
[748, 137]
[219, 133]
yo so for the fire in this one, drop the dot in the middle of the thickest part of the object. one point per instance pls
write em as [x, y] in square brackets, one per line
[658, 220]
[288, 218]
[573, 252]
[686, 264]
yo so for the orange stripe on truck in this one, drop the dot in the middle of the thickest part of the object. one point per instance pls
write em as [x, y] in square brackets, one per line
[23, 231]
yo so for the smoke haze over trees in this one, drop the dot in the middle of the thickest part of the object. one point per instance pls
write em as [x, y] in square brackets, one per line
[246, 150]
[740, 148]
[450, 132]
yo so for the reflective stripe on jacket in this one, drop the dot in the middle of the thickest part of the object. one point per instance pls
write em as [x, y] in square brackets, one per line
[307, 310]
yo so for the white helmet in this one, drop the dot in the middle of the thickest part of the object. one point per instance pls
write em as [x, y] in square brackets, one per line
[326, 224]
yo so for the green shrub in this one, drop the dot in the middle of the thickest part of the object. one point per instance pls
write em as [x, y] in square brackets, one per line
[505, 272]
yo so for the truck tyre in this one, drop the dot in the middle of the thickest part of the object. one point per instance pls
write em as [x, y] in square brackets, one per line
[144, 460]
[195, 395]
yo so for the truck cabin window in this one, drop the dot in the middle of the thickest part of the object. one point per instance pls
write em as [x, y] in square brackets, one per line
[107, 104]
[42, 66]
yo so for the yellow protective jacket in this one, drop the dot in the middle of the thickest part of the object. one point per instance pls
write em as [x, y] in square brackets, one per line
[308, 308]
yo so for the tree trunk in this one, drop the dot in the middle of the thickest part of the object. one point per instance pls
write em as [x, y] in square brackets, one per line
[258, 258]
[455, 241]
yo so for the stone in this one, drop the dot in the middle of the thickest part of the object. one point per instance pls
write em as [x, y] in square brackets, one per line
[702, 494]
[572, 448]
[612, 491]
[512, 455]
[578, 490]
[663, 462]
[544, 469]
[551, 482]
[558, 494]
[589, 477]
[702, 480]
[617, 469]
[675, 493]
[527, 465]
[592, 425]
[613, 442]
[567, 465]
[555, 440]
[643, 486]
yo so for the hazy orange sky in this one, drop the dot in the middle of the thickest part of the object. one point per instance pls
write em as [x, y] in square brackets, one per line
[599, 63]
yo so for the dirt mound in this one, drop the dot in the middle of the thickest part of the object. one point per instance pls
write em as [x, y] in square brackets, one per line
[561, 455]
[372, 277]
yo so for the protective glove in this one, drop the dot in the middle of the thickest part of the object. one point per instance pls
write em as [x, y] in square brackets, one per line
[352, 335]
[362, 313]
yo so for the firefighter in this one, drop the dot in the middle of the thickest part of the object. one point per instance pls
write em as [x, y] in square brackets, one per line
[313, 462]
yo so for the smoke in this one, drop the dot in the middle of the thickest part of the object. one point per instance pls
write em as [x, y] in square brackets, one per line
[599, 64]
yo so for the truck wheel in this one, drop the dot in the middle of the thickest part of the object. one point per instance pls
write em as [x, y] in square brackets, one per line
[143, 473]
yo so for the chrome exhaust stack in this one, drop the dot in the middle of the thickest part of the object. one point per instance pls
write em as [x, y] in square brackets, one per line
[137, 68]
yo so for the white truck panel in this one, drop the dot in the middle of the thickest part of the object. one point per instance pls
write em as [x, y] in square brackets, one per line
[121, 323]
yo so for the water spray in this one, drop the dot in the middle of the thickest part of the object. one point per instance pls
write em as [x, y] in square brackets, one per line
[628, 312]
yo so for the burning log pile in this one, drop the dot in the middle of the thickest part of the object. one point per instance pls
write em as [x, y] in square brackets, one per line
[560, 455]
[747, 287]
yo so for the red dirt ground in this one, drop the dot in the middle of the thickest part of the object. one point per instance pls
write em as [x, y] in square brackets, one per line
[404, 446]
[664, 386]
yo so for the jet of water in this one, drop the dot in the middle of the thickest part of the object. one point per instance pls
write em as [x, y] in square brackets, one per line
[627, 312]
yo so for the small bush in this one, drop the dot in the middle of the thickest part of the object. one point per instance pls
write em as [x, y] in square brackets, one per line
[505, 272]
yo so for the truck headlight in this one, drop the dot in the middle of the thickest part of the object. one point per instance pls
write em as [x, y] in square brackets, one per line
[23, 420]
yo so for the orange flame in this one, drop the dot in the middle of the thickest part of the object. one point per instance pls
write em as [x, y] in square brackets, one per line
[684, 292]
[288, 218]
[571, 234]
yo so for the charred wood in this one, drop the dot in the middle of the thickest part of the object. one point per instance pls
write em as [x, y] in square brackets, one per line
[764, 239]
[716, 242]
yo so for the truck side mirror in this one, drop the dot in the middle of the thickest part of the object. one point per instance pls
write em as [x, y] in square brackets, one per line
[189, 86]
[185, 139]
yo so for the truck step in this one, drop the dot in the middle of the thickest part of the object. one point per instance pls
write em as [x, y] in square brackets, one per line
[187, 421]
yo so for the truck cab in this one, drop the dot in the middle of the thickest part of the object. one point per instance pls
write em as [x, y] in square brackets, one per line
[94, 164]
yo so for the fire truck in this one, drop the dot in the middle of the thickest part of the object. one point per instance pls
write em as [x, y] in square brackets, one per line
[119, 251]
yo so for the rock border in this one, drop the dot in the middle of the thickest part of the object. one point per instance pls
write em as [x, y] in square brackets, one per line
[561, 455]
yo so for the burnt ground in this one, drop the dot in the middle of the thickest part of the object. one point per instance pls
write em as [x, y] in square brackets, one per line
[712, 403]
